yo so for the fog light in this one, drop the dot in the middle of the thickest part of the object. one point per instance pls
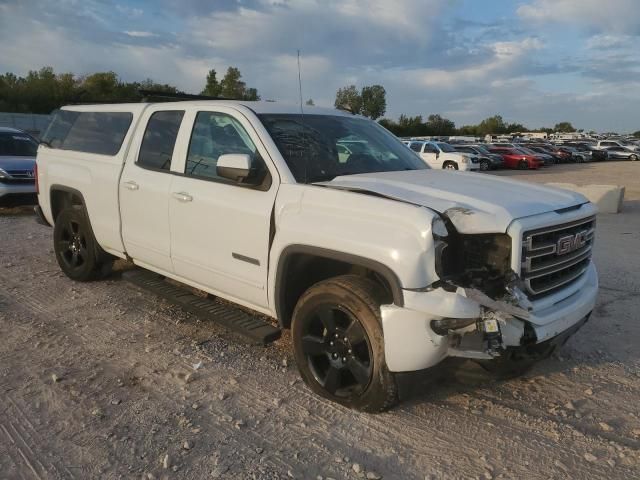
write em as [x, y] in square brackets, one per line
[442, 326]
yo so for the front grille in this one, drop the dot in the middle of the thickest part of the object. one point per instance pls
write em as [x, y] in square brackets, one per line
[26, 174]
[554, 257]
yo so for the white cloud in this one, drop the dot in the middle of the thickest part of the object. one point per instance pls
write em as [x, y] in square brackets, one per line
[621, 16]
[140, 34]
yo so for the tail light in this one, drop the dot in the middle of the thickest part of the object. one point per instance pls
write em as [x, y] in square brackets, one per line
[36, 176]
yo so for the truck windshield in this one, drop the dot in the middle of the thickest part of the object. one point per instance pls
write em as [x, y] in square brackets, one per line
[17, 145]
[313, 146]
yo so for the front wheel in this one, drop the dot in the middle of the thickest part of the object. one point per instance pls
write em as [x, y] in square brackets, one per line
[484, 165]
[77, 251]
[523, 165]
[633, 158]
[339, 346]
[450, 166]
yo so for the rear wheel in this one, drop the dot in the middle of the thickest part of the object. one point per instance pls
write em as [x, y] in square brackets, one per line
[77, 251]
[633, 158]
[450, 166]
[339, 346]
[484, 165]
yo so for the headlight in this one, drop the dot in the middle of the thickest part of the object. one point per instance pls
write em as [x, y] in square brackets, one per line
[3, 174]
[465, 159]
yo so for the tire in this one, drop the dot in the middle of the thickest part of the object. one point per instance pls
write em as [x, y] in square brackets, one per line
[339, 346]
[484, 165]
[523, 165]
[450, 166]
[633, 157]
[76, 249]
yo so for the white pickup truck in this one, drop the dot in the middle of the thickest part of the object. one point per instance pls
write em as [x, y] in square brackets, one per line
[376, 262]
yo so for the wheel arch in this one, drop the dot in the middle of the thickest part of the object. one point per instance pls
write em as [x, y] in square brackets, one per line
[61, 197]
[301, 266]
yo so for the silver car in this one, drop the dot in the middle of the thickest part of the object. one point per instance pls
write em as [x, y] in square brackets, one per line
[17, 167]
[623, 153]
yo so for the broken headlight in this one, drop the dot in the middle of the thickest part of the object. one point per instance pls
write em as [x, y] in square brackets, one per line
[481, 261]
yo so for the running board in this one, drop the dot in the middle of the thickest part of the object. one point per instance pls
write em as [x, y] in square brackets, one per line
[233, 318]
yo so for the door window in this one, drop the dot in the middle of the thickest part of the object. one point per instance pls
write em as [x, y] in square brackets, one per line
[416, 147]
[216, 134]
[159, 140]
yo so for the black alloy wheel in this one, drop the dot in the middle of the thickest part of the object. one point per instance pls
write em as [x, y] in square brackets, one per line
[73, 245]
[337, 350]
[523, 165]
[484, 165]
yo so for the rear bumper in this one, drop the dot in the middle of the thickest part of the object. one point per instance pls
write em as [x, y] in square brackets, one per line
[411, 344]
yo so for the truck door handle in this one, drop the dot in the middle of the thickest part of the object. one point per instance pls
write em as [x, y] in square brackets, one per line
[182, 196]
[131, 185]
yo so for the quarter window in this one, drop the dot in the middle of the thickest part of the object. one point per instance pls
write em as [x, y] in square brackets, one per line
[216, 134]
[160, 139]
[90, 132]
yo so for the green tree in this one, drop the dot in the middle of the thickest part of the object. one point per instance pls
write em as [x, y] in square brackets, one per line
[636, 134]
[251, 94]
[374, 101]
[348, 98]
[309, 102]
[438, 125]
[564, 127]
[212, 87]
[493, 125]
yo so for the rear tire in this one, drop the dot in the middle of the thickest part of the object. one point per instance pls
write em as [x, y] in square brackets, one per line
[338, 343]
[633, 158]
[450, 166]
[76, 249]
[484, 165]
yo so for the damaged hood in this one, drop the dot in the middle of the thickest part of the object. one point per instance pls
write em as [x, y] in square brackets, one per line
[474, 202]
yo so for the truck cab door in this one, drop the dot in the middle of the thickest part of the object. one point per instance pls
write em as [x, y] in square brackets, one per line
[144, 188]
[220, 229]
[430, 155]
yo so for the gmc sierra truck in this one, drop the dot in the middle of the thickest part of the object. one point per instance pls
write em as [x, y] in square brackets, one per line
[377, 263]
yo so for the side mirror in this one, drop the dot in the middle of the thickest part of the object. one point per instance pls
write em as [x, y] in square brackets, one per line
[236, 167]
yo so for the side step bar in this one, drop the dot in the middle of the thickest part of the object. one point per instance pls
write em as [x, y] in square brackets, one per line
[235, 319]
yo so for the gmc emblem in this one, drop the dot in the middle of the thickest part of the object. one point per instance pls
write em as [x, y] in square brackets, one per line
[570, 243]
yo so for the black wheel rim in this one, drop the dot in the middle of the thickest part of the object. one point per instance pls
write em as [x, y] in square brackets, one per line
[337, 350]
[484, 166]
[72, 245]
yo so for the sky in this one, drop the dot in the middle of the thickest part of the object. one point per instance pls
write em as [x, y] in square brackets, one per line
[536, 62]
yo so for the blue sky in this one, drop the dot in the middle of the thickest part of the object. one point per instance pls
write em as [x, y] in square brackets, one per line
[537, 62]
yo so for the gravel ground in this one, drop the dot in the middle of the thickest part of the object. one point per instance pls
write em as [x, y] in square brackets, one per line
[102, 380]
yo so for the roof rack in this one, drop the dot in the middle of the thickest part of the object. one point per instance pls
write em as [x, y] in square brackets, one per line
[161, 96]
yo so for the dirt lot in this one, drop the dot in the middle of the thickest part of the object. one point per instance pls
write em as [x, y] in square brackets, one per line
[101, 380]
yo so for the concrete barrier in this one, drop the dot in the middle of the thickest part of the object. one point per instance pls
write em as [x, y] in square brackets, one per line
[607, 198]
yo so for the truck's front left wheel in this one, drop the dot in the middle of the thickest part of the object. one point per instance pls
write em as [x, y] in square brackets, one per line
[77, 251]
[339, 346]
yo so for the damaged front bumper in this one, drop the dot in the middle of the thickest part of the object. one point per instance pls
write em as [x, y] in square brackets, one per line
[489, 327]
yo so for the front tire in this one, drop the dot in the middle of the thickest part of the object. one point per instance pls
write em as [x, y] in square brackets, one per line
[450, 166]
[484, 165]
[76, 249]
[339, 346]
[633, 158]
[523, 165]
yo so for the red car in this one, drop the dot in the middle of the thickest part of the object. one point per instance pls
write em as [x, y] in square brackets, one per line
[515, 159]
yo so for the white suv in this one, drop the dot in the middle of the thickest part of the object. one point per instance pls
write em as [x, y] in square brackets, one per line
[377, 263]
[443, 155]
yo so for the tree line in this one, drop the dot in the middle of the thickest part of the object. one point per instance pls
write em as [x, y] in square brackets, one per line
[44, 90]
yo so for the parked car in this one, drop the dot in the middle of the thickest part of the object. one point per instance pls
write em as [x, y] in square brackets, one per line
[377, 266]
[514, 158]
[590, 151]
[487, 160]
[554, 158]
[576, 155]
[606, 144]
[545, 159]
[623, 153]
[17, 164]
[443, 155]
